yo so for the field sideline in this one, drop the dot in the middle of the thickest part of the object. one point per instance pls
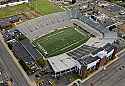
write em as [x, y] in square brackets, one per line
[60, 41]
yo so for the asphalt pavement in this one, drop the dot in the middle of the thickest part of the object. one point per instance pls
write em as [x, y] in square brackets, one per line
[114, 75]
[4, 77]
[12, 69]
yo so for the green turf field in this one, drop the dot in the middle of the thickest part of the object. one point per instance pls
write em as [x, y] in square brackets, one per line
[60, 41]
[43, 7]
[10, 11]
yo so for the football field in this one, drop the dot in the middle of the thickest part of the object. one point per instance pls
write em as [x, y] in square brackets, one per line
[60, 41]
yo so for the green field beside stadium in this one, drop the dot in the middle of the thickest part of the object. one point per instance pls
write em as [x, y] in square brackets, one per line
[42, 7]
[60, 41]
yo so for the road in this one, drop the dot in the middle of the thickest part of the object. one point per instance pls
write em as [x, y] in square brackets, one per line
[114, 75]
[3, 73]
[11, 67]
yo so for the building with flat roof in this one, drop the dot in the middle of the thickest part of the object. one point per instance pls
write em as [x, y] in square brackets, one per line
[5, 3]
[25, 51]
[21, 46]
[22, 53]
[105, 51]
[63, 1]
[89, 61]
[80, 59]
[63, 64]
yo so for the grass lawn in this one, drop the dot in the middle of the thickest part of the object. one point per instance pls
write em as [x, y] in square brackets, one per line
[9, 11]
[43, 7]
[60, 41]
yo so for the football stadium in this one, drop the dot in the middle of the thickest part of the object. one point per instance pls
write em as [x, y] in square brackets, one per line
[56, 33]
[60, 41]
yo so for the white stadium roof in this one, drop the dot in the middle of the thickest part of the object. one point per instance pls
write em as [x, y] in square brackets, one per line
[62, 62]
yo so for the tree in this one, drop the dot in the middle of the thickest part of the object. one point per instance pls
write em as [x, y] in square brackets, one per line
[25, 67]
[41, 62]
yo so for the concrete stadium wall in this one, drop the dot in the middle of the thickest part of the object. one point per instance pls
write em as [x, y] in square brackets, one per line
[52, 28]
[43, 25]
[87, 28]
